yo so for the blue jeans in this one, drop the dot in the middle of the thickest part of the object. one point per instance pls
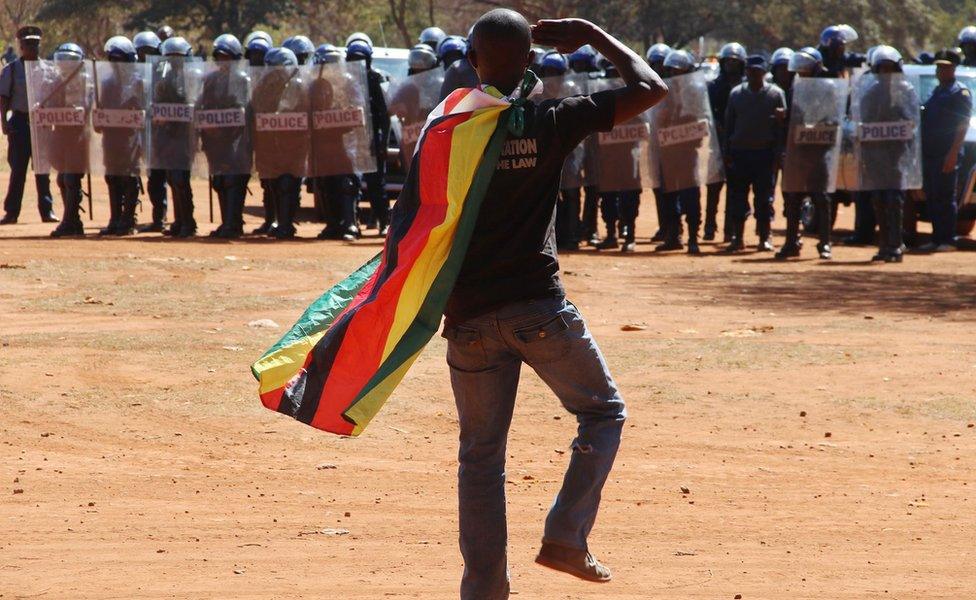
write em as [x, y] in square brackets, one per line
[485, 355]
[751, 169]
[940, 196]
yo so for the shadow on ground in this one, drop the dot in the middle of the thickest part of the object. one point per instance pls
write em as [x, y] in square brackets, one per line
[835, 289]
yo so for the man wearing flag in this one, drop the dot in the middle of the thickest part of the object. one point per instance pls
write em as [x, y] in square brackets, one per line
[472, 238]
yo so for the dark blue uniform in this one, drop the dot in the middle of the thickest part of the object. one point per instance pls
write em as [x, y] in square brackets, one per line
[949, 108]
[13, 85]
[718, 97]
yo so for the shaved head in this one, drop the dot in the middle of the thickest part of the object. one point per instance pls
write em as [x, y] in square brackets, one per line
[501, 41]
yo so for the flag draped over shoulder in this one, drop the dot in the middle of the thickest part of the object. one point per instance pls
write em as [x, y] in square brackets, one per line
[340, 362]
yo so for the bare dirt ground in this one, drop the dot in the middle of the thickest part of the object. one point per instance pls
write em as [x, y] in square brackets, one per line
[820, 417]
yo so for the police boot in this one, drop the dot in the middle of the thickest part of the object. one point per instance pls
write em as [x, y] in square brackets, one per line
[824, 226]
[693, 238]
[672, 239]
[628, 234]
[893, 224]
[115, 214]
[728, 228]
[791, 247]
[71, 223]
[609, 242]
[764, 228]
[285, 229]
[158, 218]
[127, 222]
[737, 230]
[188, 226]
[222, 203]
[233, 227]
[881, 214]
[269, 215]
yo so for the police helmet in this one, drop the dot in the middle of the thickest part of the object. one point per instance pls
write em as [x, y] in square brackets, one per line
[258, 34]
[658, 52]
[146, 39]
[120, 48]
[781, 57]
[925, 58]
[300, 45]
[432, 36]
[734, 51]
[837, 34]
[967, 35]
[258, 44]
[327, 54]
[555, 62]
[359, 50]
[584, 54]
[602, 62]
[450, 44]
[228, 45]
[805, 60]
[69, 51]
[280, 57]
[359, 36]
[884, 54]
[175, 46]
[421, 58]
[165, 32]
[680, 60]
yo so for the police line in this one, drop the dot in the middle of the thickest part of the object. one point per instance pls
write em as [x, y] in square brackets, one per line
[177, 114]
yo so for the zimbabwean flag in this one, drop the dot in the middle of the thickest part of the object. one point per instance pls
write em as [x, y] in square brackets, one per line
[340, 362]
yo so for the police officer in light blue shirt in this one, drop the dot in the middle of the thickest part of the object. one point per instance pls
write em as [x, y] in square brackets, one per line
[945, 121]
[13, 101]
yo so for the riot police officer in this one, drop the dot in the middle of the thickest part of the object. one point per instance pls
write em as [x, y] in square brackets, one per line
[147, 44]
[450, 50]
[121, 147]
[583, 60]
[459, 75]
[833, 47]
[779, 64]
[431, 37]
[421, 59]
[732, 65]
[228, 149]
[361, 49]
[656, 55]
[686, 201]
[174, 143]
[945, 122]
[967, 41]
[338, 194]
[301, 46]
[256, 46]
[164, 33]
[13, 100]
[68, 152]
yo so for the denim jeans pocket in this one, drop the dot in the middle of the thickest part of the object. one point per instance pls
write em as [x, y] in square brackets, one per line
[465, 348]
[548, 340]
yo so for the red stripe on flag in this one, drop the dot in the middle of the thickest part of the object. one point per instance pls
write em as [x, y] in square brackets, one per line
[367, 334]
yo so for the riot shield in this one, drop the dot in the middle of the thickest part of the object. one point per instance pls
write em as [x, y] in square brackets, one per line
[411, 100]
[813, 146]
[174, 88]
[887, 148]
[220, 118]
[341, 124]
[60, 95]
[565, 86]
[622, 155]
[281, 125]
[685, 144]
[118, 119]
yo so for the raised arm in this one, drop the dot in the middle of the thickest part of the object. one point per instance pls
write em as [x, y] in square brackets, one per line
[642, 86]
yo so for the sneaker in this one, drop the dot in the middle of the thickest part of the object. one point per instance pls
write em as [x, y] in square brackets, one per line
[895, 257]
[765, 246]
[788, 251]
[945, 248]
[578, 563]
[825, 251]
[670, 245]
[629, 247]
[610, 243]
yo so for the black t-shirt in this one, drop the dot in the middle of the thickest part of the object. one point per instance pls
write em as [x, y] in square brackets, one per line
[512, 255]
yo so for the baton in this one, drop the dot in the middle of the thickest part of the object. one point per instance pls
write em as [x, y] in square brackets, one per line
[90, 215]
[210, 189]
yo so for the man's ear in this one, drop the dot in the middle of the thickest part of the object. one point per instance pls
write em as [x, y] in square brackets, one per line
[473, 57]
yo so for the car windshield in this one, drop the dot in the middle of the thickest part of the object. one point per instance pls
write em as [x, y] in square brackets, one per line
[928, 82]
[395, 67]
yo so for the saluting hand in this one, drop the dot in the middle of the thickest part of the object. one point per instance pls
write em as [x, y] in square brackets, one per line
[566, 35]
